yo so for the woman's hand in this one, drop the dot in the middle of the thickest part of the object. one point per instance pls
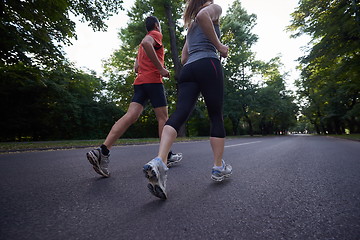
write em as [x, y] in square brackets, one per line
[223, 49]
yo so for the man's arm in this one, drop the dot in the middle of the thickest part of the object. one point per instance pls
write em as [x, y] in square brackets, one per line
[148, 44]
[136, 65]
[205, 18]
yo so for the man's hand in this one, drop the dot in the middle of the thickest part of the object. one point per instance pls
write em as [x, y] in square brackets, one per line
[164, 73]
[136, 66]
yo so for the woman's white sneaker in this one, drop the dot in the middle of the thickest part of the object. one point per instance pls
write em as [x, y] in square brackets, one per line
[220, 173]
[156, 172]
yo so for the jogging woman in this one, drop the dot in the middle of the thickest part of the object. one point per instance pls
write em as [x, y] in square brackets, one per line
[202, 74]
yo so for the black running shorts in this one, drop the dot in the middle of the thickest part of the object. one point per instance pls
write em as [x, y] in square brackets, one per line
[154, 92]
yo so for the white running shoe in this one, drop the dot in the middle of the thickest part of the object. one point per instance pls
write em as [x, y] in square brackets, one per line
[156, 172]
[219, 174]
[99, 161]
[173, 158]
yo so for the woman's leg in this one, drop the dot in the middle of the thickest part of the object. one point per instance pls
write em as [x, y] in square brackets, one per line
[212, 89]
[168, 137]
[217, 145]
[188, 93]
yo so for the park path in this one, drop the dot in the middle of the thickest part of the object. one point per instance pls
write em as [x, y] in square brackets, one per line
[286, 187]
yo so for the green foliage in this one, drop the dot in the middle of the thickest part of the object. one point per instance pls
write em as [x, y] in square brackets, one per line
[42, 96]
[119, 67]
[330, 79]
[63, 103]
[33, 30]
[251, 107]
[46, 98]
[236, 27]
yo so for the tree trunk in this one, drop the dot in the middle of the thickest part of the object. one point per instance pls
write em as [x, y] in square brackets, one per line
[248, 120]
[235, 124]
[174, 53]
[173, 46]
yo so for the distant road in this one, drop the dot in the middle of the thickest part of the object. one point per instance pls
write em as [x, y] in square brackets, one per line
[287, 187]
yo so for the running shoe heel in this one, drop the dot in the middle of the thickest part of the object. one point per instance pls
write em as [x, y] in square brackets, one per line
[173, 158]
[156, 173]
[150, 173]
[99, 161]
[219, 175]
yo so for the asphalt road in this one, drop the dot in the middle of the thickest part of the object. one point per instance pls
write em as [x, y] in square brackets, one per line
[287, 187]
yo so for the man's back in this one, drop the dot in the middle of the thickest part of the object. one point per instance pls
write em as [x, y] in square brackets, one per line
[147, 72]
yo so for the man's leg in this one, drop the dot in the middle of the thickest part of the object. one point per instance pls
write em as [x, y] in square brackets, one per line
[99, 157]
[120, 127]
[161, 114]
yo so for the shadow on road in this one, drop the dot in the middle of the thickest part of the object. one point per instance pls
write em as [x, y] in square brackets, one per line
[153, 206]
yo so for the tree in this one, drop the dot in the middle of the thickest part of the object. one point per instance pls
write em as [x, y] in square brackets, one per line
[236, 27]
[43, 95]
[33, 31]
[330, 78]
[275, 104]
[119, 67]
[64, 103]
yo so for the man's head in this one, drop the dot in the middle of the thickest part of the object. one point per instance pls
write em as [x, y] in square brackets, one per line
[152, 23]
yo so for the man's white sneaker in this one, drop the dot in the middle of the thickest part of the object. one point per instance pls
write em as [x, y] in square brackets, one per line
[99, 161]
[173, 158]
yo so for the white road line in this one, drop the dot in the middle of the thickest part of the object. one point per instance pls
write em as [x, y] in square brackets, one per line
[235, 145]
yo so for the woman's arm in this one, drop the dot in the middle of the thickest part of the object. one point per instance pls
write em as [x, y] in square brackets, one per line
[205, 18]
[185, 53]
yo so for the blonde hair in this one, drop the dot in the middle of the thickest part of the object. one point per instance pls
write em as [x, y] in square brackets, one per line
[192, 8]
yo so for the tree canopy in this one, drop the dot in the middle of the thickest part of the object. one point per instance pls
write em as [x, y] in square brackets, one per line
[252, 107]
[330, 77]
[45, 97]
[42, 94]
[32, 31]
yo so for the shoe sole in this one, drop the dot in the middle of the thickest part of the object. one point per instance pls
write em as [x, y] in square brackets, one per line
[96, 166]
[220, 179]
[156, 191]
[170, 164]
[153, 185]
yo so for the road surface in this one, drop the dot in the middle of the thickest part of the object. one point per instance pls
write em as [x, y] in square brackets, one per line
[286, 187]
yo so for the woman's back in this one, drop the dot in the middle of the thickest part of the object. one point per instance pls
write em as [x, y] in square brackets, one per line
[199, 46]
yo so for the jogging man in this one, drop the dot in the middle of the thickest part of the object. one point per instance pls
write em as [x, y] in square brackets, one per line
[148, 85]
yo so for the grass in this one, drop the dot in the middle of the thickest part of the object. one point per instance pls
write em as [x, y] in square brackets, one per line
[355, 137]
[6, 147]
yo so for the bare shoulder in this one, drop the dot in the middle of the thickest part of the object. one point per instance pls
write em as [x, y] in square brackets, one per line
[212, 10]
[148, 39]
[216, 7]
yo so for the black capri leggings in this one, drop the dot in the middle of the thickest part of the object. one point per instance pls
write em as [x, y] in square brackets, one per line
[203, 76]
